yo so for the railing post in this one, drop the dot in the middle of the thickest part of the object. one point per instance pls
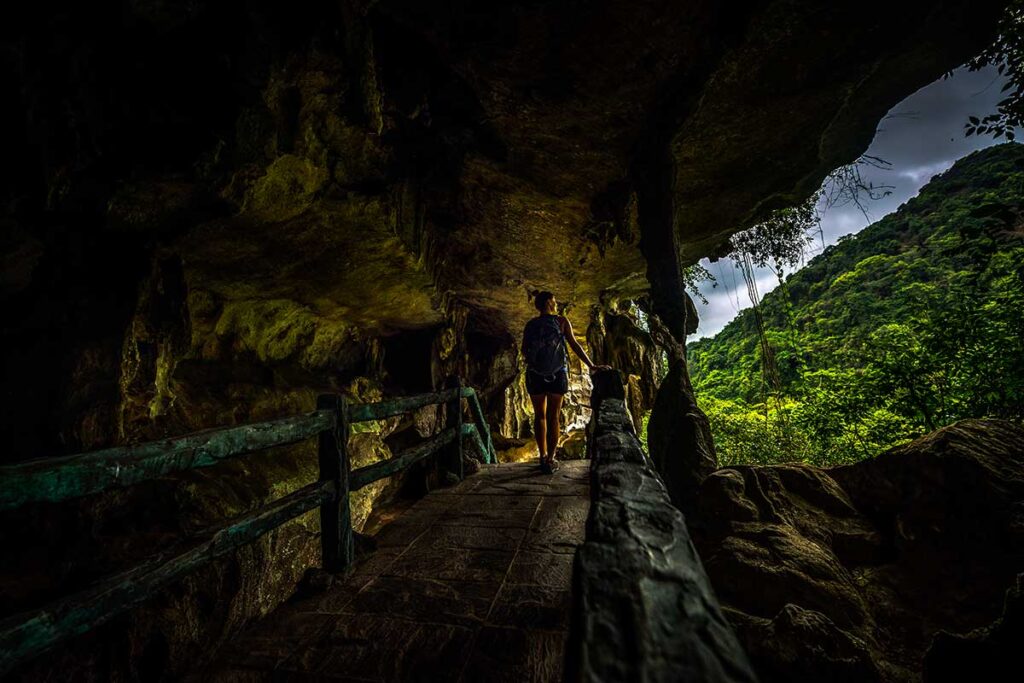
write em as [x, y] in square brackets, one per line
[453, 411]
[481, 422]
[335, 515]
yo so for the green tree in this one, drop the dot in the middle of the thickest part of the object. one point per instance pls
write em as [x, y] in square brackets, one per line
[914, 323]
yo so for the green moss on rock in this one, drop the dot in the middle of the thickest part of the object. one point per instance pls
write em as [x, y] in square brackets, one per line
[287, 189]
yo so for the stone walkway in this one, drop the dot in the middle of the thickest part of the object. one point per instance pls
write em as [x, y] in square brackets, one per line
[470, 583]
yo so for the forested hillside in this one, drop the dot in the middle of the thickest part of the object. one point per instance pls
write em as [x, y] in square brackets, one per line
[914, 323]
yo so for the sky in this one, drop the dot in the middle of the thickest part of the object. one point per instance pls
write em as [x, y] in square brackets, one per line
[920, 137]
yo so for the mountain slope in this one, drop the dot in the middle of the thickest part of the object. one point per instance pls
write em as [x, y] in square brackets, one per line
[911, 324]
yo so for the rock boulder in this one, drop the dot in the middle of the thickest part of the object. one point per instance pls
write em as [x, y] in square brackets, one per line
[848, 574]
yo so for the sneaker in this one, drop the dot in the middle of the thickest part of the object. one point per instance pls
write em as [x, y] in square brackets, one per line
[545, 467]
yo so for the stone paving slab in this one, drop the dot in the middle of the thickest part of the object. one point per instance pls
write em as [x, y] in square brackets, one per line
[457, 603]
[471, 537]
[470, 583]
[532, 607]
[558, 525]
[540, 569]
[453, 564]
[380, 648]
[516, 656]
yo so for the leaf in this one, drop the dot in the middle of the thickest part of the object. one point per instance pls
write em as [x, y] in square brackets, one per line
[973, 119]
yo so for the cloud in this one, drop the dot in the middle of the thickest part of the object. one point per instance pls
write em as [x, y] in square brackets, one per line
[839, 221]
[922, 174]
[727, 300]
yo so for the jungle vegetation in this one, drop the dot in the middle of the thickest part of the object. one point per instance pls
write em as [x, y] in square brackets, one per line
[912, 324]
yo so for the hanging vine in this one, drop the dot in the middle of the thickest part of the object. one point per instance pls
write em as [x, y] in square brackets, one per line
[779, 244]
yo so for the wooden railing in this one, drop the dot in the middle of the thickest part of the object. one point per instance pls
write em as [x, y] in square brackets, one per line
[26, 635]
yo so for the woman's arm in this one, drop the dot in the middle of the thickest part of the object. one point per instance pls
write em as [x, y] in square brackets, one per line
[570, 339]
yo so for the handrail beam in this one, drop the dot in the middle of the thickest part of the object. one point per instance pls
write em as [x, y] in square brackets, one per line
[385, 468]
[56, 479]
[361, 412]
[25, 635]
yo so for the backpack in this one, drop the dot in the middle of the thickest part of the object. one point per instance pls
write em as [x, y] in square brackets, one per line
[544, 345]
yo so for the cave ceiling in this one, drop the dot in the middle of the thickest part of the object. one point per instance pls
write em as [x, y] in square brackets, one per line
[401, 157]
[755, 103]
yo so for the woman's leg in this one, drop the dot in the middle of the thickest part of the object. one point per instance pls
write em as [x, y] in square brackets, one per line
[554, 426]
[539, 426]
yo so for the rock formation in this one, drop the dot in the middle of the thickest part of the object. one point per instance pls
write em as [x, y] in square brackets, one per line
[986, 653]
[339, 173]
[617, 338]
[853, 573]
[216, 210]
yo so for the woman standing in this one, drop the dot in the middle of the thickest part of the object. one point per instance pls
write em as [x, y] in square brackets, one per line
[547, 373]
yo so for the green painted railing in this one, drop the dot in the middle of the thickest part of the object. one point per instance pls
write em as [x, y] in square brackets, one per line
[56, 479]
[24, 636]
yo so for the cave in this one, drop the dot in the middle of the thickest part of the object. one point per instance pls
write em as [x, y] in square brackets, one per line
[237, 235]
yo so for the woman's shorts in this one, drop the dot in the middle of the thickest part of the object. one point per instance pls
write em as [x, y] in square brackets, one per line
[557, 383]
